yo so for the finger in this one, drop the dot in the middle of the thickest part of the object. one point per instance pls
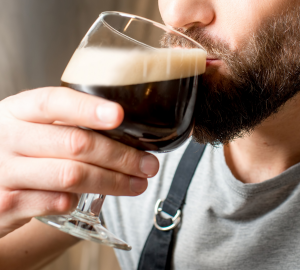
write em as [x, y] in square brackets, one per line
[52, 141]
[18, 207]
[47, 105]
[60, 123]
[67, 176]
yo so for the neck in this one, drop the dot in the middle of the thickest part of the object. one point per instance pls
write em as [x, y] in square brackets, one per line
[270, 149]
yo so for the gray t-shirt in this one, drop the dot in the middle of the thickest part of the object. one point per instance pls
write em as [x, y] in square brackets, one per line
[226, 224]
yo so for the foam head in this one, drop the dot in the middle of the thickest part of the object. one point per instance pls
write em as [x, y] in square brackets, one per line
[112, 67]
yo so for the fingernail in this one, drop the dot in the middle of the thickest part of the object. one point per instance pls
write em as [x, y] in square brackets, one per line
[138, 185]
[107, 113]
[149, 165]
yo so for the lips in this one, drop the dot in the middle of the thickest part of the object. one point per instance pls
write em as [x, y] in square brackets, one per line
[211, 61]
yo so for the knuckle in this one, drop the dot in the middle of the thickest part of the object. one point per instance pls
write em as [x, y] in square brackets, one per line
[126, 159]
[10, 205]
[120, 183]
[115, 183]
[71, 175]
[79, 142]
[43, 99]
[64, 203]
[8, 201]
[82, 106]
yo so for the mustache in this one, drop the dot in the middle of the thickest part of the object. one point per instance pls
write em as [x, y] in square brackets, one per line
[212, 45]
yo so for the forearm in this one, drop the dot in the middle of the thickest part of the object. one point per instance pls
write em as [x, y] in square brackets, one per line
[33, 246]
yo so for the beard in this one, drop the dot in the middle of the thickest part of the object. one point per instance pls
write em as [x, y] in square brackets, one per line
[261, 77]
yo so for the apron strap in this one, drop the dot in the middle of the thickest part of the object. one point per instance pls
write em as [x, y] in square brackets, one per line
[157, 252]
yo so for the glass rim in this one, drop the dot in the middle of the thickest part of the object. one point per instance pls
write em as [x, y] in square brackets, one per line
[157, 24]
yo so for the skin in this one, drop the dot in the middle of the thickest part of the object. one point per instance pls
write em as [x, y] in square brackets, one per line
[71, 161]
[273, 146]
[46, 161]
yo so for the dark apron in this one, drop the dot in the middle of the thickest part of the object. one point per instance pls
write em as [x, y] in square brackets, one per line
[158, 249]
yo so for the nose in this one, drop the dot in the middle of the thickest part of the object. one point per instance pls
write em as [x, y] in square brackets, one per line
[186, 13]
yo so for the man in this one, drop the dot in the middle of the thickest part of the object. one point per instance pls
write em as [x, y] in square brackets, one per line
[242, 206]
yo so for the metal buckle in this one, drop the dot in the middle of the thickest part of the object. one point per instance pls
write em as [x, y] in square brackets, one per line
[175, 219]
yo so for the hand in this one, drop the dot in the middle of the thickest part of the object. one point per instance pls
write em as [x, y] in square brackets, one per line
[45, 160]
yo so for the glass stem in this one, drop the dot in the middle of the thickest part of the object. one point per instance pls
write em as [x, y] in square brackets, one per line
[90, 206]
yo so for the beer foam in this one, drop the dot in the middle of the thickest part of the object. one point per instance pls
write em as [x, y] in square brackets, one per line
[115, 67]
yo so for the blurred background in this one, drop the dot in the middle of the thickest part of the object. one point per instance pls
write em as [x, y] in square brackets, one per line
[38, 38]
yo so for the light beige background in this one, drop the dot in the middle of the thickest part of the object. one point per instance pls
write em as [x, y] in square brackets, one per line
[37, 39]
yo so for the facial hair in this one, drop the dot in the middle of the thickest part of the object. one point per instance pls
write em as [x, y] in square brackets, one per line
[262, 76]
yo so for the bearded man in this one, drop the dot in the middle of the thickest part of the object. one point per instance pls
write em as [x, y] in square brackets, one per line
[241, 209]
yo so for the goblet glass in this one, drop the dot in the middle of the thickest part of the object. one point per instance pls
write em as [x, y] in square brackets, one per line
[146, 67]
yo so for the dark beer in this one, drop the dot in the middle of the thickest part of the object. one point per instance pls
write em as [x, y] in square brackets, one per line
[158, 114]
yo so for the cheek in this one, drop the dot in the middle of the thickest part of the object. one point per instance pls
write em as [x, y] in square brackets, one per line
[237, 20]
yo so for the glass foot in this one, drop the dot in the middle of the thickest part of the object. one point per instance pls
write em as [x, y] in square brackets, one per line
[85, 229]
